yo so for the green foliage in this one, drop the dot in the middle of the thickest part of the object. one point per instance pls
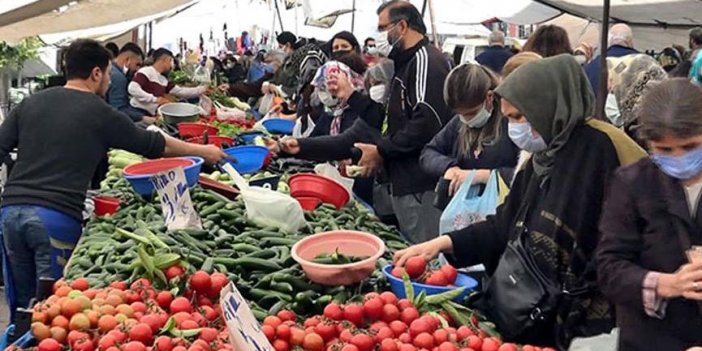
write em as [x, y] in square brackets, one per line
[15, 56]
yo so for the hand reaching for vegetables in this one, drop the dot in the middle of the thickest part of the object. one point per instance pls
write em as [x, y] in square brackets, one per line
[213, 154]
[429, 250]
[289, 146]
[162, 100]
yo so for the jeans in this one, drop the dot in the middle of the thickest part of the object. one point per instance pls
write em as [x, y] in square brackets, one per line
[417, 216]
[37, 241]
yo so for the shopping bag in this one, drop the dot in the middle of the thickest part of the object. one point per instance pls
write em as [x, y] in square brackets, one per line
[266, 104]
[330, 171]
[297, 129]
[468, 206]
[267, 207]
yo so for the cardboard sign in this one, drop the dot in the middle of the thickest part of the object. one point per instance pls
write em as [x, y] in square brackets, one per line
[244, 331]
[173, 191]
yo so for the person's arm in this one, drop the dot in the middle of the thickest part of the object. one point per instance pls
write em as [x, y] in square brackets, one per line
[9, 133]
[621, 279]
[121, 133]
[186, 93]
[332, 148]
[427, 98]
[437, 156]
[369, 110]
[136, 91]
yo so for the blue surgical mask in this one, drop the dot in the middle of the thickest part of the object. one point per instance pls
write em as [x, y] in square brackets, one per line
[478, 121]
[523, 136]
[682, 167]
[268, 67]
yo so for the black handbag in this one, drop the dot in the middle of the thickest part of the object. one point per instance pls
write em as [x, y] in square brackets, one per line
[522, 299]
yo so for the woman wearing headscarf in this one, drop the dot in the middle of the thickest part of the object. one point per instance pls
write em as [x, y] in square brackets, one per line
[541, 241]
[650, 220]
[343, 43]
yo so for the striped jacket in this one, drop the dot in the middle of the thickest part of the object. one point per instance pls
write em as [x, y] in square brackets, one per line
[416, 111]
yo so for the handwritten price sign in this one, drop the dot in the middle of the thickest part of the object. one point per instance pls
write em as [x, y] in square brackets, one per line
[244, 331]
[173, 191]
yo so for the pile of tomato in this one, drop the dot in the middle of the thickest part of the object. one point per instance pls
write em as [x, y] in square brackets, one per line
[382, 322]
[132, 318]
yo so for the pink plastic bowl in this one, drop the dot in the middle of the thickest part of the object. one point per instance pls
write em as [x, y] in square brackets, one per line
[351, 243]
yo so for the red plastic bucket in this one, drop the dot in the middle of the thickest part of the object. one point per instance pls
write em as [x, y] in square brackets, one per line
[156, 166]
[105, 205]
[308, 203]
[323, 188]
[214, 140]
[191, 130]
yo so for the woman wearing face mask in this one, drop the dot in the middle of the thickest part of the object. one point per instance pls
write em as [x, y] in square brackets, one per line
[337, 116]
[651, 218]
[549, 219]
[340, 147]
[476, 139]
[343, 43]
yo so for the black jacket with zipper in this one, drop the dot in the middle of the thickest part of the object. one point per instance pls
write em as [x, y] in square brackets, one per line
[416, 111]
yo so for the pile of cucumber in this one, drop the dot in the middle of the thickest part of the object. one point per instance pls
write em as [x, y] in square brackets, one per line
[256, 259]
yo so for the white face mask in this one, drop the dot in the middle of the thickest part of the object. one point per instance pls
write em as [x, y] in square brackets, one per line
[327, 99]
[383, 44]
[524, 137]
[377, 93]
[372, 50]
[478, 121]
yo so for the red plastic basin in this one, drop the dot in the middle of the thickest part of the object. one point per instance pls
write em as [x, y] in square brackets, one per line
[308, 203]
[156, 166]
[347, 242]
[213, 140]
[105, 205]
[190, 130]
[323, 188]
[223, 189]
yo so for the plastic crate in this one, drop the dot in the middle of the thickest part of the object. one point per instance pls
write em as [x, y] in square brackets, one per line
[25, 341]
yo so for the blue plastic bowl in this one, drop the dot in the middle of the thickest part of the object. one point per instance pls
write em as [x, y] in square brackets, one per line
[249, 158]
[279, 126]
[143, 186]
[398, 286]
[248, 138]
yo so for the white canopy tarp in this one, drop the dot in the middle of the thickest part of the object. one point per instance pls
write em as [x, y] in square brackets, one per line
[635, 12]
[85, 14]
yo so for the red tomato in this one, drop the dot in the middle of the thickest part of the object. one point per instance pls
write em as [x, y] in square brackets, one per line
[268, 331]
[297, 336]
[398, 272]
[441, 336]
[464, 332]
[153, 321]
[390, 313]
[174, 271]
[217, 282]
[404, 304]
[141, 332]
[181, 304]
[354, 314]
[334, 312]
[287, 315]
[164, 299]
[364, 342]
[389, 298]
[508, 347]
[388, 345]
[406, 347]
[326, 330]
[383, 334]
[346, 335]
[415, 266]
[409, 314]
[201, 282]
[437, 278]
[49, 345]
[419, 326]
[83, 345]
[373, 308]
[474, 342]
[490, 344]
[405, 338]
[163, 343]
[208, 334]
[450, 273]
[81, 284]
[398, 327]
[273, 321]
[447, 346]
[283, 332]
[312, 322]
[313, 342]
[424, 340]
[281, 345]
[348, 347]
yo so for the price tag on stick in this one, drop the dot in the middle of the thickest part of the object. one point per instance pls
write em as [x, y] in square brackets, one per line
[174, 194]
[244, 331]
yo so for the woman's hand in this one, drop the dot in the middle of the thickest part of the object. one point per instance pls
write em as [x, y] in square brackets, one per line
[338, 84]
[457, 176]
[686, 282]
[429, 250]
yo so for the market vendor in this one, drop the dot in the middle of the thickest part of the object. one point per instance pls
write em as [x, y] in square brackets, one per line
[150, 87]
[61, 134]
[273, 60]
[128, 61]
[550, 216]
[651, 218]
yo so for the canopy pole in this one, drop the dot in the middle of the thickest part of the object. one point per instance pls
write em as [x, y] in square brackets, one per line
[297, 30]
[604, 76]
[424, 8]
[433, 23]
[280, 19]
[353, 15]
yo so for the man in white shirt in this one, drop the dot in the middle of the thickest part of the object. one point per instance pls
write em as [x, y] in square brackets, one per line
[150, 84]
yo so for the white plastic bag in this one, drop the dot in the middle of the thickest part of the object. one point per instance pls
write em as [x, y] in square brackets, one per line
[468, 206]
[266, 104]
[331, 172]
[229, 113]
[297, 129]
[268, 207]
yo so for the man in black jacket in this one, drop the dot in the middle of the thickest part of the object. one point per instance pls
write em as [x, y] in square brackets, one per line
[414, 113]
